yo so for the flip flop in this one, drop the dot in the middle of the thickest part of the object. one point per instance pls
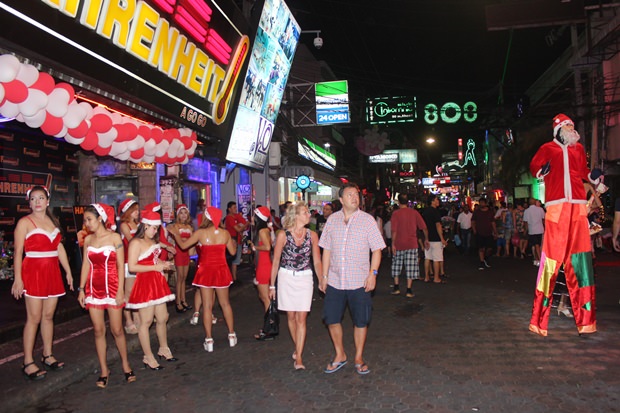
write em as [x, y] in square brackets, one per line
[359, 369]
[440, 282]
[336, 365]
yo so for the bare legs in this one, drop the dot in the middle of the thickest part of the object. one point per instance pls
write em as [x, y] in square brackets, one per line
[132, 318]
[359, 337]
[39, 312]
[297, 329]
[208, 298]
[160, 312]
[116, 327]
[263, 295]
[181, 287]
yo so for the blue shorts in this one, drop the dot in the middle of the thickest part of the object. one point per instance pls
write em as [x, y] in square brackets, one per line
[237, 258]
[335, 303]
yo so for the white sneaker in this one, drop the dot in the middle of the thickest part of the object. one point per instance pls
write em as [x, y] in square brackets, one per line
[213, 319]
[232, 339]
[208, 345]
[536, 263]
[255, 281]
[194, 320]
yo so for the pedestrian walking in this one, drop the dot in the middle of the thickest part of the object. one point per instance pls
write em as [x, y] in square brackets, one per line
[463, 228]
[291, 268]
[38, 278]
[213, 276]
[485, 231]
[235, 225]
[129, 212]
[150, 292]
[352, 247]
[434, 252]
[102, 288]
[534, 220]
[262, 237]
[406, 222]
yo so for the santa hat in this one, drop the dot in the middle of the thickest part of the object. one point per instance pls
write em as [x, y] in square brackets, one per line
[180, 207]
[214, 215]
[263, 213]
[29, 190]
[125, 205]
[155, 207]
[106, 212]
[150, 217]
[559, 121]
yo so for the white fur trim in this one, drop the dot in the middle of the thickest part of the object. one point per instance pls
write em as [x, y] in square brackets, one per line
[151, 221]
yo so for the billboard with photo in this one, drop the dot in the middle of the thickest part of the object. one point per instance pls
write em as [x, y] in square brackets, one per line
[263, 85]
[332, 102]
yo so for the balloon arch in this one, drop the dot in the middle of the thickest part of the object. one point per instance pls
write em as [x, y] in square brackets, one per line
[34, 98]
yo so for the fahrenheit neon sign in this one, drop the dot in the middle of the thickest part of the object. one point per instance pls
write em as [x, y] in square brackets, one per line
[143, 31]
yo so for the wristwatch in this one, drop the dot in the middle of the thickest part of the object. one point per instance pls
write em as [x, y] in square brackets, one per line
[375, 272]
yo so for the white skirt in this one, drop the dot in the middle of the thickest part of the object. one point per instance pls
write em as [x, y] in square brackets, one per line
[294, 290]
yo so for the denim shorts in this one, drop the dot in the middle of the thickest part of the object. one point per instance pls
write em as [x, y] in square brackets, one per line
[335, 303]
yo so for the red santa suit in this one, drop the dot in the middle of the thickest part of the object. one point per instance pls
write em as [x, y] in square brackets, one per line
[567, 237]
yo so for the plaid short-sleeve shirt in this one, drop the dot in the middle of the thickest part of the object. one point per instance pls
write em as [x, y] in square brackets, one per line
[350, 245]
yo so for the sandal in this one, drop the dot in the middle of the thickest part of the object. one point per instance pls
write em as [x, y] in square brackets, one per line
[361, 370]
[261, 336]
[132, 329]
[57, 365]
[35, 375]
[186, 306]
[130, 377]
[102, 382]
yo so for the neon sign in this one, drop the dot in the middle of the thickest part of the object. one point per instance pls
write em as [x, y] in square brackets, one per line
[470, 156]
[391, 110]
[450, 112]
[195, 59]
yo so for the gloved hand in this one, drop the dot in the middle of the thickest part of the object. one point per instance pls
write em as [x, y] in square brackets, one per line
[545, 168]
[595, 174]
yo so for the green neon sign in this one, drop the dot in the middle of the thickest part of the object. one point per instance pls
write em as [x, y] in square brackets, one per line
[450, 112]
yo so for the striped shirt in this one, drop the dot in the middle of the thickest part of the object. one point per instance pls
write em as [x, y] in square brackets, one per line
[349, 246]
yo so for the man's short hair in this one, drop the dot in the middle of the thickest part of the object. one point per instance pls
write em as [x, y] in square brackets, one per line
[431, 198]
[402, 199]
[486, 201]
[345, 186]
[230, 204]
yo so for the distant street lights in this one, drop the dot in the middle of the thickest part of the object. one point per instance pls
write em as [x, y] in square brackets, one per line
[430, 140]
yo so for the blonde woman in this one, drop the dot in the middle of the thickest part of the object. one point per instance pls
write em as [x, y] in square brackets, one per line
[294, 247]
[184, 229]
[129, 213]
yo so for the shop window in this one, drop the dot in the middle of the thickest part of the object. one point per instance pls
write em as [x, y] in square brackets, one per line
[113, 191]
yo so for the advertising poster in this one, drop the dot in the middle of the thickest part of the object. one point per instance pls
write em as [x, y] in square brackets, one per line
[244, 206]
[263, 85]
[166, 198]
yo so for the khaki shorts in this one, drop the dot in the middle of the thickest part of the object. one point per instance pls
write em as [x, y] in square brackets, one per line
[435, 252]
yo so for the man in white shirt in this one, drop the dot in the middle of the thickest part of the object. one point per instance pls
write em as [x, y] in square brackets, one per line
[534, 220]
[464, 228]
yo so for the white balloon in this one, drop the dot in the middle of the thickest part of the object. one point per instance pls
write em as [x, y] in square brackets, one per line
[116, 118]
[20, 118]
[62, 132]
[99, 109]
[162, 148]
[28, 74]
[150, 147]
[35, 101]
[136, 143]
[147, 158]
[9, 109]
[58, 102]
[106, 139]
[123, 156]
[72, 140]
[117, 148]
[9, 67]
[185, 161]
[87, 108]
[75, 115]
[1, 93]
[36, 120]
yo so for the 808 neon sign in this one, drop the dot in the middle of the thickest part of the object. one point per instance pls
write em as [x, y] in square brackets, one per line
[450, 112]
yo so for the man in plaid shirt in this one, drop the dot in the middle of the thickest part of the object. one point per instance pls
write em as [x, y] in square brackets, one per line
[405, 225]
[348, 274]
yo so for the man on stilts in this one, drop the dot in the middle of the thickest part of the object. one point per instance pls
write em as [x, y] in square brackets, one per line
[562, 164]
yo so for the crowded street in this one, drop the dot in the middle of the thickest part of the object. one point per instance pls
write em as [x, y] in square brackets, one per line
[455, 347]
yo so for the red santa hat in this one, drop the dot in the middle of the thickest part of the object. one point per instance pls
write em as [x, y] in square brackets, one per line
[180, 207]
[106, 212]
[125, 205]
[150, 217]
[263, 213]
[559, 121]
[214, 215]
[155, 207]
[29, 190]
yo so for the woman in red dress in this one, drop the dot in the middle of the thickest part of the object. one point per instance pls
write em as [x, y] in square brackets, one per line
[263, 266]
[129, 211]
[213, 273]
[183, 226]
[150, 292]
[101, 285]
[38, 278]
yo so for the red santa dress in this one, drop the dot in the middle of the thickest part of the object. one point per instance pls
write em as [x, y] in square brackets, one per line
[102, 283]
[181, 258]
[40, 268]
[213, 270]
[151, 287]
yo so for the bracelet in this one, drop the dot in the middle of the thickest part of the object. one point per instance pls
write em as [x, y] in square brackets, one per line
[325, 277]
[272, 287]
[80, 289]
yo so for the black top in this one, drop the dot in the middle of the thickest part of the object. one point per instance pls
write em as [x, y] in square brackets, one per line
[431, 217]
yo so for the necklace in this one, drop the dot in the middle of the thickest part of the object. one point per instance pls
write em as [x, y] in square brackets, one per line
[300, 237]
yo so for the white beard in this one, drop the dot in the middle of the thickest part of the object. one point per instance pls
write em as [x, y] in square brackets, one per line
[569, 138]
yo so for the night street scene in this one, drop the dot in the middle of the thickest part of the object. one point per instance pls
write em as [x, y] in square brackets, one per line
[299, 206]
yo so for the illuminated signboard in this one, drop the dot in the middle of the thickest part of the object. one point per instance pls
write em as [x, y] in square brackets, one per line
[405, 155]
[332, 102]
[450, 112]
[183, 58]
[264, 82]
[391, 110]
[384, 158]
[316, 154]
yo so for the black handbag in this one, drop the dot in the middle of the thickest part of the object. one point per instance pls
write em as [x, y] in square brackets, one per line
[271, 326]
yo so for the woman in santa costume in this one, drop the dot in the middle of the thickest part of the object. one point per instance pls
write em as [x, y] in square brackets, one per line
[150, 292]
[562, 164]
[129, 212]
[102, 287]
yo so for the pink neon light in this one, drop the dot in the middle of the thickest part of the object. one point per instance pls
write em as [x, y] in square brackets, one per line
[201, 27]
[217, 53]
[165, 5]
[218, 39]
[188, 27]
[200, 7]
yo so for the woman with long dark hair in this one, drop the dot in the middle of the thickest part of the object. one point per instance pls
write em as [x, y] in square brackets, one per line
[38, 278]
[102, 287]
[150, 292]
[213, 275]
[183, 226]
[262, 239]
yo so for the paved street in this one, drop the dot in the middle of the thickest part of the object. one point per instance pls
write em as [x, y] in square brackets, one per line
[457, 347]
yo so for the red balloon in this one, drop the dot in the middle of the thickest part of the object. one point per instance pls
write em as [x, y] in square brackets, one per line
[91, 141]
[101, 123]
[122, 135]
[45, 83]
[102, 151]
[171, 134]
[145, 132]
[131, 130]
[52, 125]
[15, 91]
[157, 134]
[187, 142]
[79, 131]
[137, 154]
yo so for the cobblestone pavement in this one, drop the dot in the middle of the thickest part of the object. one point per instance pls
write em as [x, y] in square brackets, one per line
[458, 347]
